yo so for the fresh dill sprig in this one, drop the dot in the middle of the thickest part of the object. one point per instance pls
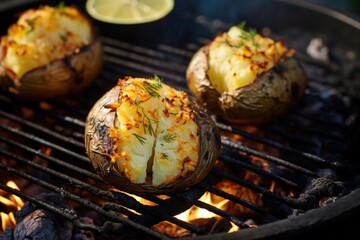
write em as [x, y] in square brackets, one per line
[140, 138]
[149, 126]
[61, 5]
[169, 137]
[158, 80]
[248, 34]
[152, 88]
[241, 25]
[63, 37]
[61, 8]
[165, 156]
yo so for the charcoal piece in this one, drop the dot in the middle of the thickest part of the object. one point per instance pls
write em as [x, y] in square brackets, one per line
[8, 234]
[322, 187]
[36, 223]
[81, 234]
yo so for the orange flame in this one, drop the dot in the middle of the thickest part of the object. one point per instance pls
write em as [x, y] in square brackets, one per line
[233, 228]
[195, 212]
[12, 202]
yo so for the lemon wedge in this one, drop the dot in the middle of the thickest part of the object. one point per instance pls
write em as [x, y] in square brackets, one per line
[128, 11]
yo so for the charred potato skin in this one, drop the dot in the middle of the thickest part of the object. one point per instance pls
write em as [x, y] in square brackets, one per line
[99, 146]
[67, 76]
[270, 95]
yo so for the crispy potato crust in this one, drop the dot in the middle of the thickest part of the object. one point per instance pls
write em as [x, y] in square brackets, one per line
[102, 145]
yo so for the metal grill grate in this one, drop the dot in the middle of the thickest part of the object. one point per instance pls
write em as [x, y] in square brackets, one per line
[42, 146]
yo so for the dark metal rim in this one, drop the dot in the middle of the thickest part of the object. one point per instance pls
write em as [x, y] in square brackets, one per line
[347, 18]
[346, 206]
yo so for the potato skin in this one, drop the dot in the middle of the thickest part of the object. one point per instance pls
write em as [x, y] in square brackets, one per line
[65, 76]
[270, 95]
[99, 146]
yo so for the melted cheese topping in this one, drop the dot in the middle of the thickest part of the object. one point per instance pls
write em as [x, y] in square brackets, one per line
[156, 134]
[237, 57]
[41, 36]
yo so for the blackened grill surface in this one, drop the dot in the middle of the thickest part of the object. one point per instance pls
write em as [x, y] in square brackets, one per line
[310, 153]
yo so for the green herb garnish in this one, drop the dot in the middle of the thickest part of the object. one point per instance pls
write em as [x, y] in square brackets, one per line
[63, 37]
[140, 138]
[61, 5]
[169, 137]
[152, 88]
[248, 34]
[165, 156]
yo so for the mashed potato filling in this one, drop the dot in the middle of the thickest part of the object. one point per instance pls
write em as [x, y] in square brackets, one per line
[238, 56]
[41, 36]
[156, 136]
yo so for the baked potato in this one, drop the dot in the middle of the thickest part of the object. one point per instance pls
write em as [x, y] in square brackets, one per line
[246, 78]
[145, 137]
[49, 52]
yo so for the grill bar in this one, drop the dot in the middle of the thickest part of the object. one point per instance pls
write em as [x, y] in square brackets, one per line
[92, 189]
[50, 159]
[32, 137]
[261, 172]
[235, 145]
[40, 128]
[232, 198]
[71, 215]
[272, 143]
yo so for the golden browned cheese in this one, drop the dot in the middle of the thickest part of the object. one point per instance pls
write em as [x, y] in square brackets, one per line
[237, 57]
[155, 131]
[246, 78]
[41, 36]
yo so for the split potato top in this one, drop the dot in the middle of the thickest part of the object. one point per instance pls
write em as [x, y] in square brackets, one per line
[155, 130]
[246, 78]
[237, 57]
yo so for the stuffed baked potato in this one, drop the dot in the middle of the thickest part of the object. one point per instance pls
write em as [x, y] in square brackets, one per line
[49, 52]
[246, 78]
[144, 136]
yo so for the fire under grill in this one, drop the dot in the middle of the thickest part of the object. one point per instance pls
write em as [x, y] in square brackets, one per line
[299, 169]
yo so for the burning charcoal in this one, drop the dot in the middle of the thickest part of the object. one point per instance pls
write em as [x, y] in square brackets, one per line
[8, 234]
[80, 234]
[172, 230]
[329, 200]
[36, 223]
[321, 189]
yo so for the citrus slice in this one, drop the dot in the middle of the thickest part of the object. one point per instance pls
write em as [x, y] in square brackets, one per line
[128, 11]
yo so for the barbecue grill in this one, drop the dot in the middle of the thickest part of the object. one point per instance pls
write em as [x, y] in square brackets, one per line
[301, 171]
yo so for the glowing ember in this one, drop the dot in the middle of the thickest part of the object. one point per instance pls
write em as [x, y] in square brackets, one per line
[233, 228]
[10, 202]
[7, 220]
